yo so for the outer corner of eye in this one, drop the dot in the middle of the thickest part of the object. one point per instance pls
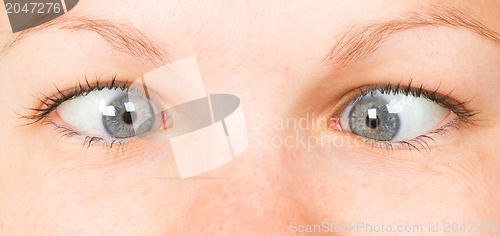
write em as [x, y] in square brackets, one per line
[389, 116]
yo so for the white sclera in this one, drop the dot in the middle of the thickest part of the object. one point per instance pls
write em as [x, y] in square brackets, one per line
[196, 151]
[417, 115]
[85, 113]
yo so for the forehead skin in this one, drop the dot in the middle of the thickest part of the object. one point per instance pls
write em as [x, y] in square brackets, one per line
[270, 54]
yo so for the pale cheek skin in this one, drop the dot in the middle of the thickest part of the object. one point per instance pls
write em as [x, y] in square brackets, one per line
[52, 186]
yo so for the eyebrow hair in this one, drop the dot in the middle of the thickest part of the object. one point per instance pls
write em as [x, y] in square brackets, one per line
[358, 42]
[122, 37]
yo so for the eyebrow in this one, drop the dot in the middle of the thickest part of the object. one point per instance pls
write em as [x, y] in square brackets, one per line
[360, 41]
[354, 44]
[120, 36]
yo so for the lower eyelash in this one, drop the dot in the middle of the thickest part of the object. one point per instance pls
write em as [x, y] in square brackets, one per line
[419, 143]
[49, 103]
[65, 131]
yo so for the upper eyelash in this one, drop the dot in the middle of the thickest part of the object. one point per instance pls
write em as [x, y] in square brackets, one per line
[464, 116]
[50, 103]
[444, 100]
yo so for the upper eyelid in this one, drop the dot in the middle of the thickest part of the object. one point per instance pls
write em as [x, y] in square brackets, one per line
[75, 92]
[48, 104]
[445, 100]
[417, 143]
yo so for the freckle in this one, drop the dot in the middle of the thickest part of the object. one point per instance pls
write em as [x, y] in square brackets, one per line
[221, 228]
[93, 198]
[146, 192]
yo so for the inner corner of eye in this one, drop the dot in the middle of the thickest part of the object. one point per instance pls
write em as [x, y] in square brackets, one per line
[334, 123]
[389, 116]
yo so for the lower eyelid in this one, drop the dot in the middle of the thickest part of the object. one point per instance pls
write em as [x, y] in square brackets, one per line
[87, 140]
[431, 139]
[71, 135]
[437, 137]
[79, 150]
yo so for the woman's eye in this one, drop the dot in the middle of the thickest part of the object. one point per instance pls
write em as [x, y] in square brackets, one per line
[391, 116]
[111, 113]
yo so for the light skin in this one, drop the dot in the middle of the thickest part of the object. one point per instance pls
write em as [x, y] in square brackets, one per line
[272, 56]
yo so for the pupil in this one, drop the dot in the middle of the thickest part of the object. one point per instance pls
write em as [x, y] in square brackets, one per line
[370, 118]
[372, 123]
[127, 117]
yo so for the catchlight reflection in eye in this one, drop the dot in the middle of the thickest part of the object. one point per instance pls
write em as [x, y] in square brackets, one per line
[391, 116]
[113, 113]
[206, 130]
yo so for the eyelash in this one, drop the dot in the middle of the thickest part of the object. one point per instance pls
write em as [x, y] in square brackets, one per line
[49, 103]
[465, 117]
[65, 131]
